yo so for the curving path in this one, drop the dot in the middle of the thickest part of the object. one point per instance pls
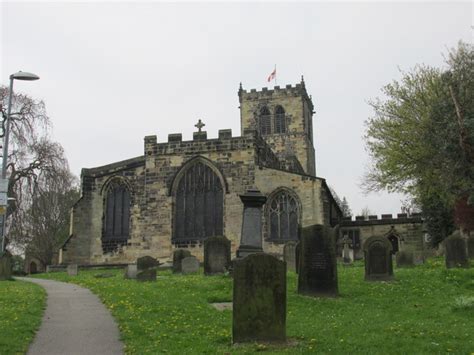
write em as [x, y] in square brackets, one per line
[74, 322]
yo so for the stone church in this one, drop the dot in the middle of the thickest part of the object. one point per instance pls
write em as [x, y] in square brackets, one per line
[180, 192]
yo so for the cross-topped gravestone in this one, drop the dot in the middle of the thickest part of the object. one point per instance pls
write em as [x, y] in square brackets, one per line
[199, 125]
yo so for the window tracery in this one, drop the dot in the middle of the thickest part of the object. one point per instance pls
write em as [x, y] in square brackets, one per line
[199, 204]
[283, 215]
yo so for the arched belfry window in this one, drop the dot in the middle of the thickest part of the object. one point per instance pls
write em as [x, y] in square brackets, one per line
[116, 216]
[280, 123]
[199, 204]
[283, 212]
[265, 121]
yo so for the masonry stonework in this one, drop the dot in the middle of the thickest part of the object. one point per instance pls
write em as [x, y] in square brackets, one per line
[180, 192]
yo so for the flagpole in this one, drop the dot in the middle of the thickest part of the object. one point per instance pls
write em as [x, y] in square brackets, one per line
[275, 74]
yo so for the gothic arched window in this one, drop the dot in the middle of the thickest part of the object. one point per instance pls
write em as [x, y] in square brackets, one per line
[116, 218]
[283, 212]
[199, 204]
[265, 121]
[280, 123]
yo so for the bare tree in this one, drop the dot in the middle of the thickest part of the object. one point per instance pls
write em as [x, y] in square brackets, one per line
[34, 161]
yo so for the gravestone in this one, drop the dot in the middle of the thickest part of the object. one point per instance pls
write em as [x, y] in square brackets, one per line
[146, 268]
[456, 251]
[259, 299]
[178, 255]
[216, 255]
[470, 247]
[131, 271]
[347, 256]
[146, 275]
[405, 258]
[251, 235]
[5, 266]
[72, 270]
[147, 262]
[378, 259]
[289, 255]
[318, 265]
[297, 255]
[190, 265]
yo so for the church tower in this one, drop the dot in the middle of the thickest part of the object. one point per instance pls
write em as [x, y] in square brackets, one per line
[283, 117]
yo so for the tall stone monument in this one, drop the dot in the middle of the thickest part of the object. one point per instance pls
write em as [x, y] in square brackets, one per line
[456, 251]
[259, 299]
[378, 259]
[251, 237]
[216, 255]
[317, 274]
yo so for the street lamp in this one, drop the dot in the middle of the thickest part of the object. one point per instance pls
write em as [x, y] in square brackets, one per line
[17, 76]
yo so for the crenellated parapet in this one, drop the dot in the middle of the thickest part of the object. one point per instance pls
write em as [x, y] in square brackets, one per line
[277, 92]
[401, 218]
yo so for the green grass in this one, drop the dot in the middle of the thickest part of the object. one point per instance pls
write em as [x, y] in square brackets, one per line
[418, 313]
[21, 309]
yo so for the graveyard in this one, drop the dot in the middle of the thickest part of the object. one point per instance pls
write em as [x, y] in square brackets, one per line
[427, 307]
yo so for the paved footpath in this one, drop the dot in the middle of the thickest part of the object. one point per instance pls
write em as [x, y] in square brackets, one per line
[74, 322]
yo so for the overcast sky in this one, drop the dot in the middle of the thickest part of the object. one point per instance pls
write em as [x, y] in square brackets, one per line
[112, 73]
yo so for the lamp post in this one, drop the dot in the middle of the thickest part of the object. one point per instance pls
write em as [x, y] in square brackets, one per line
[17, 76]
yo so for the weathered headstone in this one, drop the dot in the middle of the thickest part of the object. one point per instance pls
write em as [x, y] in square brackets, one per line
[378, 259]
[347, 253]
[145, 268]
[147, 262]
[216, 255]
[72, 270]
[178, 255]
[289, 255]
[251, 236]
[405, 258]
[259, 299]
[470, 247]
[297, 255]
[131, 271]
[190, 265]
[318, 265]
[5, 266]
[456, 251]
[146, 275]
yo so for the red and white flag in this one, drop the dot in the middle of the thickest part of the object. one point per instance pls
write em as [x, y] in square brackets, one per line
[272, 75]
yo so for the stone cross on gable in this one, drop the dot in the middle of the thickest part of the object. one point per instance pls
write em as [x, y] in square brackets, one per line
[199, 125]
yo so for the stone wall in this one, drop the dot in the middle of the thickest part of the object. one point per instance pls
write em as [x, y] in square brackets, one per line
[409, 230]
[151, 180]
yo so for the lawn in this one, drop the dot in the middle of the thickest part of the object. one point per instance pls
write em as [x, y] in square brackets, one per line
[426, 310]
[21, 309]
